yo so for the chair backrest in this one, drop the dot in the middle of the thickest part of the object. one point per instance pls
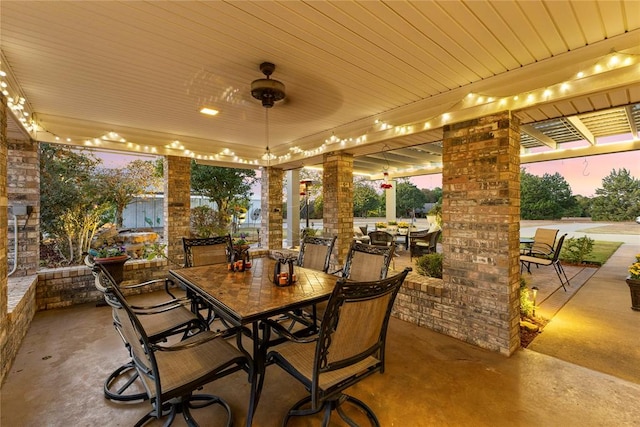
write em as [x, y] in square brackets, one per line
[418, 236]
[544, 240]
[381, 238]
[315, 252]
[140, 348]
[558, 248]
[354, 326]
[433, 240]
[208, 250]
[367, 262]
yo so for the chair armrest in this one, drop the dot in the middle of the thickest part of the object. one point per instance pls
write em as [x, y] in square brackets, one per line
[541, 249]
[147, 283]
[336, 272]
[160, 308]
[196, 340]
[285, 333]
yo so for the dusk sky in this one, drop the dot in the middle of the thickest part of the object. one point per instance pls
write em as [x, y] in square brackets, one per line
[584, 174]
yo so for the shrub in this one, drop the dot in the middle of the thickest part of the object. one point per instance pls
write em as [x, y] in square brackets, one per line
[526, 301]
[574, 250]
[430, 265]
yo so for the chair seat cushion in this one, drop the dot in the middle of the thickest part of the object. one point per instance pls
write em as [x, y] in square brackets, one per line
[160, 323]
[182, 367]
[535, 260]
[301, 357]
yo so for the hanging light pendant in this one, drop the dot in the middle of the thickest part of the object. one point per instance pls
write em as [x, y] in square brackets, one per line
[385, 184]
[268, 92]
[268, 155]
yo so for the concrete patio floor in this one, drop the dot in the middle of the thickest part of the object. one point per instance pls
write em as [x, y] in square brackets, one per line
[581, 371]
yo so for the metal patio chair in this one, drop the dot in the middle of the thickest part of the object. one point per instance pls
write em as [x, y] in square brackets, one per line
[315, 252]
[349, 347]
[367, 262]
[527, 260]
[171, 373]
[162, 319]
[543, 243]
[207, 251]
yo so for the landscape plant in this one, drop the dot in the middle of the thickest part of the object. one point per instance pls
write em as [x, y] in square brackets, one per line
[575, 250]
[430, 265]
[72, 208]
[121, 186]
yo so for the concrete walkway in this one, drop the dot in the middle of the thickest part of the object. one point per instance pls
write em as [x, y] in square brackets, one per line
[596, 328]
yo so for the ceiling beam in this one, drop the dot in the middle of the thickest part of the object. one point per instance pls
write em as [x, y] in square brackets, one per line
[632, 123]
[582, 129]
[539, 136]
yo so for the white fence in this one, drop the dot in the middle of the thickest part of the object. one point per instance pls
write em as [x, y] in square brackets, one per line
[148, 211]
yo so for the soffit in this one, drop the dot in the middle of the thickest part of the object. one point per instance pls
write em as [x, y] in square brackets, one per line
[142, 69]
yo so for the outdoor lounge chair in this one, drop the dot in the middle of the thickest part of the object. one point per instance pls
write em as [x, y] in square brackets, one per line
[527, 260]
[349, 347]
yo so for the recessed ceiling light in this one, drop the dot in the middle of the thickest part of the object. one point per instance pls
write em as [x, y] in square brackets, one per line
[209, 111]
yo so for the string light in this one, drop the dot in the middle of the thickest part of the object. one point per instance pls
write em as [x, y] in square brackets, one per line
[18, 104]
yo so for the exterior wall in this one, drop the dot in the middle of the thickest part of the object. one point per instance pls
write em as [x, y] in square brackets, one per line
[177, 205]
[7, 354]
[481, 213]
[19, 185]
[271, 225]
[64, 287]
[421, 300]
[23, 182]
[337, 193]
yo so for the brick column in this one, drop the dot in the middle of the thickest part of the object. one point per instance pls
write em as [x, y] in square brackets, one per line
[481, 219]
[177, 204]
[23, 181]
[3, 226]
[271, 205]
[337, 194]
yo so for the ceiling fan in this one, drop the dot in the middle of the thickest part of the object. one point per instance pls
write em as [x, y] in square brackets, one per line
[268, 91]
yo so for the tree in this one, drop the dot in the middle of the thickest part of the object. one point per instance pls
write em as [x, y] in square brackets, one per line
[433, 196]
[546, 197]
[408, 198]
[224, 186]
[121, 186]
[365, 198]
[618, 199]
[69, 199]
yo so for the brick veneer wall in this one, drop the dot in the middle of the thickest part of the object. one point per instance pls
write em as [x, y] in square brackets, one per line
[7, 352]
[481, 214]
[64, 287]
[271, 196]
[23, 183]
[337, 195]
[177, 205]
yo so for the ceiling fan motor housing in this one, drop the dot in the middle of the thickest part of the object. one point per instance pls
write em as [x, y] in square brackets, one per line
[268, 91]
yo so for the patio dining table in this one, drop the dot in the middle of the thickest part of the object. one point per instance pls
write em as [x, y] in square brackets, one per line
[245, 299]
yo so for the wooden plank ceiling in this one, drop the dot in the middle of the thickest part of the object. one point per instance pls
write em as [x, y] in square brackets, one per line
[376, 79]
